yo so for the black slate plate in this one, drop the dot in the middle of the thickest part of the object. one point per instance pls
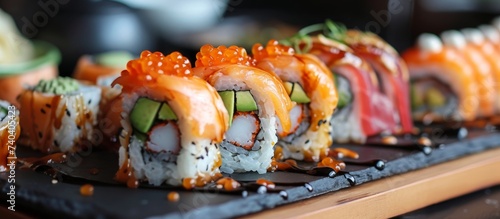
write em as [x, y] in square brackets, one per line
[35, 192]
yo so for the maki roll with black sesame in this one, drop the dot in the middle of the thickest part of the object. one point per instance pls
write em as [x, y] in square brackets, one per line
[102, 69]
[257, 103]
[172, 123]
[311, 86]
[59, 115]
[9, 132]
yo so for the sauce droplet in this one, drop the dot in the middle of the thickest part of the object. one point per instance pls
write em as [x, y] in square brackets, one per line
[87, 190]
[266, 183]
[284, 195]
[278, 153]
[390, 140]
[351, 179]
[336, 165]
[94, 171]
[343, 152]
[228, 184]
[244, 194]
[173, 196]
[427, 150]
[308, 187]
[424, 141]
[262, 190]
[380, 165]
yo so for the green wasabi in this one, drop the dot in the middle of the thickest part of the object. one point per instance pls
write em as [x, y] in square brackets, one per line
[58, 86]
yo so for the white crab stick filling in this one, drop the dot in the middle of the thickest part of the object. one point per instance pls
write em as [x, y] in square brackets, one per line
[296, 116]
[243, 130]
[164, 137]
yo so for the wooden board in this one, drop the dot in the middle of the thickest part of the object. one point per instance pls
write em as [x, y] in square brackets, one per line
[399, 194]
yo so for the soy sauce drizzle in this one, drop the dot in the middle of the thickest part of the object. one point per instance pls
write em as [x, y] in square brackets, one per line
[34, 162]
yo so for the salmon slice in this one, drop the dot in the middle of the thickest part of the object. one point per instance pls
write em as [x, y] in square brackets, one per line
[309, 71]
[198, 106]
[266, 88]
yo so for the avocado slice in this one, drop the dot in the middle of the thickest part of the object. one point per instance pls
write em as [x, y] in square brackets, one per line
[228, 99]
[299, 95]
[143, 114]
[141, 136]
[416, 100]
[435, 98]
[288, 87]
[344, 99]
[245, 101]
[166, 113]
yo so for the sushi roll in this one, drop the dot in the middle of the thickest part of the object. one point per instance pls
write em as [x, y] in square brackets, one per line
[310, 85]
[482, 70]
[491, 53]
[59, 115]
[362, 109]
[390, 69]
[442, 82]
[101, 69]
[256, 101]
[9, 132]
[173, 123]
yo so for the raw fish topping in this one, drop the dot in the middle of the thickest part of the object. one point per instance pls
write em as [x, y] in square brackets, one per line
[211, 56]
[273, 48]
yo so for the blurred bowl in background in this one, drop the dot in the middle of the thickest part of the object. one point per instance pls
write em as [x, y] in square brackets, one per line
[15, 77]
[176, 17]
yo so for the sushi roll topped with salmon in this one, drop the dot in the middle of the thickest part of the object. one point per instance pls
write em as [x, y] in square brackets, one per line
[173, 123]
[363, 110]
[442, 82]
[257, 103]
[311, 86]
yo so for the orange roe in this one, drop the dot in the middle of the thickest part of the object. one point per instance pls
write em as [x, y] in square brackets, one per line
[87, 190]
[173, 196]
[273, 48]
[150, 66]
[211, 56]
